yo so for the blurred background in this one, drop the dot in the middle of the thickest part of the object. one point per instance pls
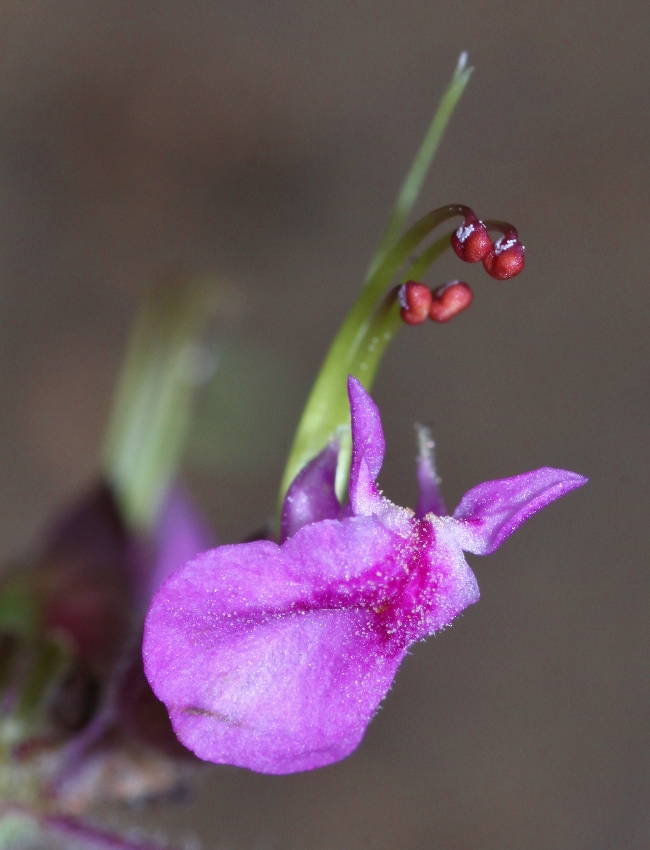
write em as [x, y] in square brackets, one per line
[263, 143]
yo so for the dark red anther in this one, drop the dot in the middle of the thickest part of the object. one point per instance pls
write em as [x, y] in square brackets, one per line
[450, 300]
[415, 300]
[471, 241]
[506, 257]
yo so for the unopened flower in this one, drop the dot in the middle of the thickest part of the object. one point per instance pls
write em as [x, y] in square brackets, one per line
[471, 241]
[450, 300]
[276, 657]
[506, 257]
[415, 302]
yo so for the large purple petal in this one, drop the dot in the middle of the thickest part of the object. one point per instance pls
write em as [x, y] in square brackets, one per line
[274, 658]
[298, 695]
[312, 496]
[368, 447]
[491, 512]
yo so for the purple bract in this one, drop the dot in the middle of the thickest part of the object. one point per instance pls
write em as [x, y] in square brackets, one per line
[275, 657]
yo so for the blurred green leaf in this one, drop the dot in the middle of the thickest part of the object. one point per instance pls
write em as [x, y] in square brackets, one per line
[19, 612]
[153, 401]
[412, 185]
[241, 414]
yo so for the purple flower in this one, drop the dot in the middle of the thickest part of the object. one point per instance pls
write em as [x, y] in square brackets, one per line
[275, 657]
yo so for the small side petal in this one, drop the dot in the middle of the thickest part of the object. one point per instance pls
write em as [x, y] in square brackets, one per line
[269, 657]
[490, 513]
[430, 499]
[311, 497]
[368, 447]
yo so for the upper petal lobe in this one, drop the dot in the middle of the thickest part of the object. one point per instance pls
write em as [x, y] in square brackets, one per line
[491, 512]
[368, 447]
[312, 495]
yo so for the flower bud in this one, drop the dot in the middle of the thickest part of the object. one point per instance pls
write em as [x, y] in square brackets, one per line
[415, 301]
[506, 257]
[471, 241]
[450, 300]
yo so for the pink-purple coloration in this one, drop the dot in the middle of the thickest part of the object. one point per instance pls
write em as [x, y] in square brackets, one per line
[276, 657]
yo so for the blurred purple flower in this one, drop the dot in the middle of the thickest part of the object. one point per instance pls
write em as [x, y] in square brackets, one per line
[128, 751]
[275, 657]
[78, 717]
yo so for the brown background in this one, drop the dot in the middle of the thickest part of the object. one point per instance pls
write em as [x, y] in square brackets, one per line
[264, 142]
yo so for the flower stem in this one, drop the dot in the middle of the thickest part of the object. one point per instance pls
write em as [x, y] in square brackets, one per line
[412, 185]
